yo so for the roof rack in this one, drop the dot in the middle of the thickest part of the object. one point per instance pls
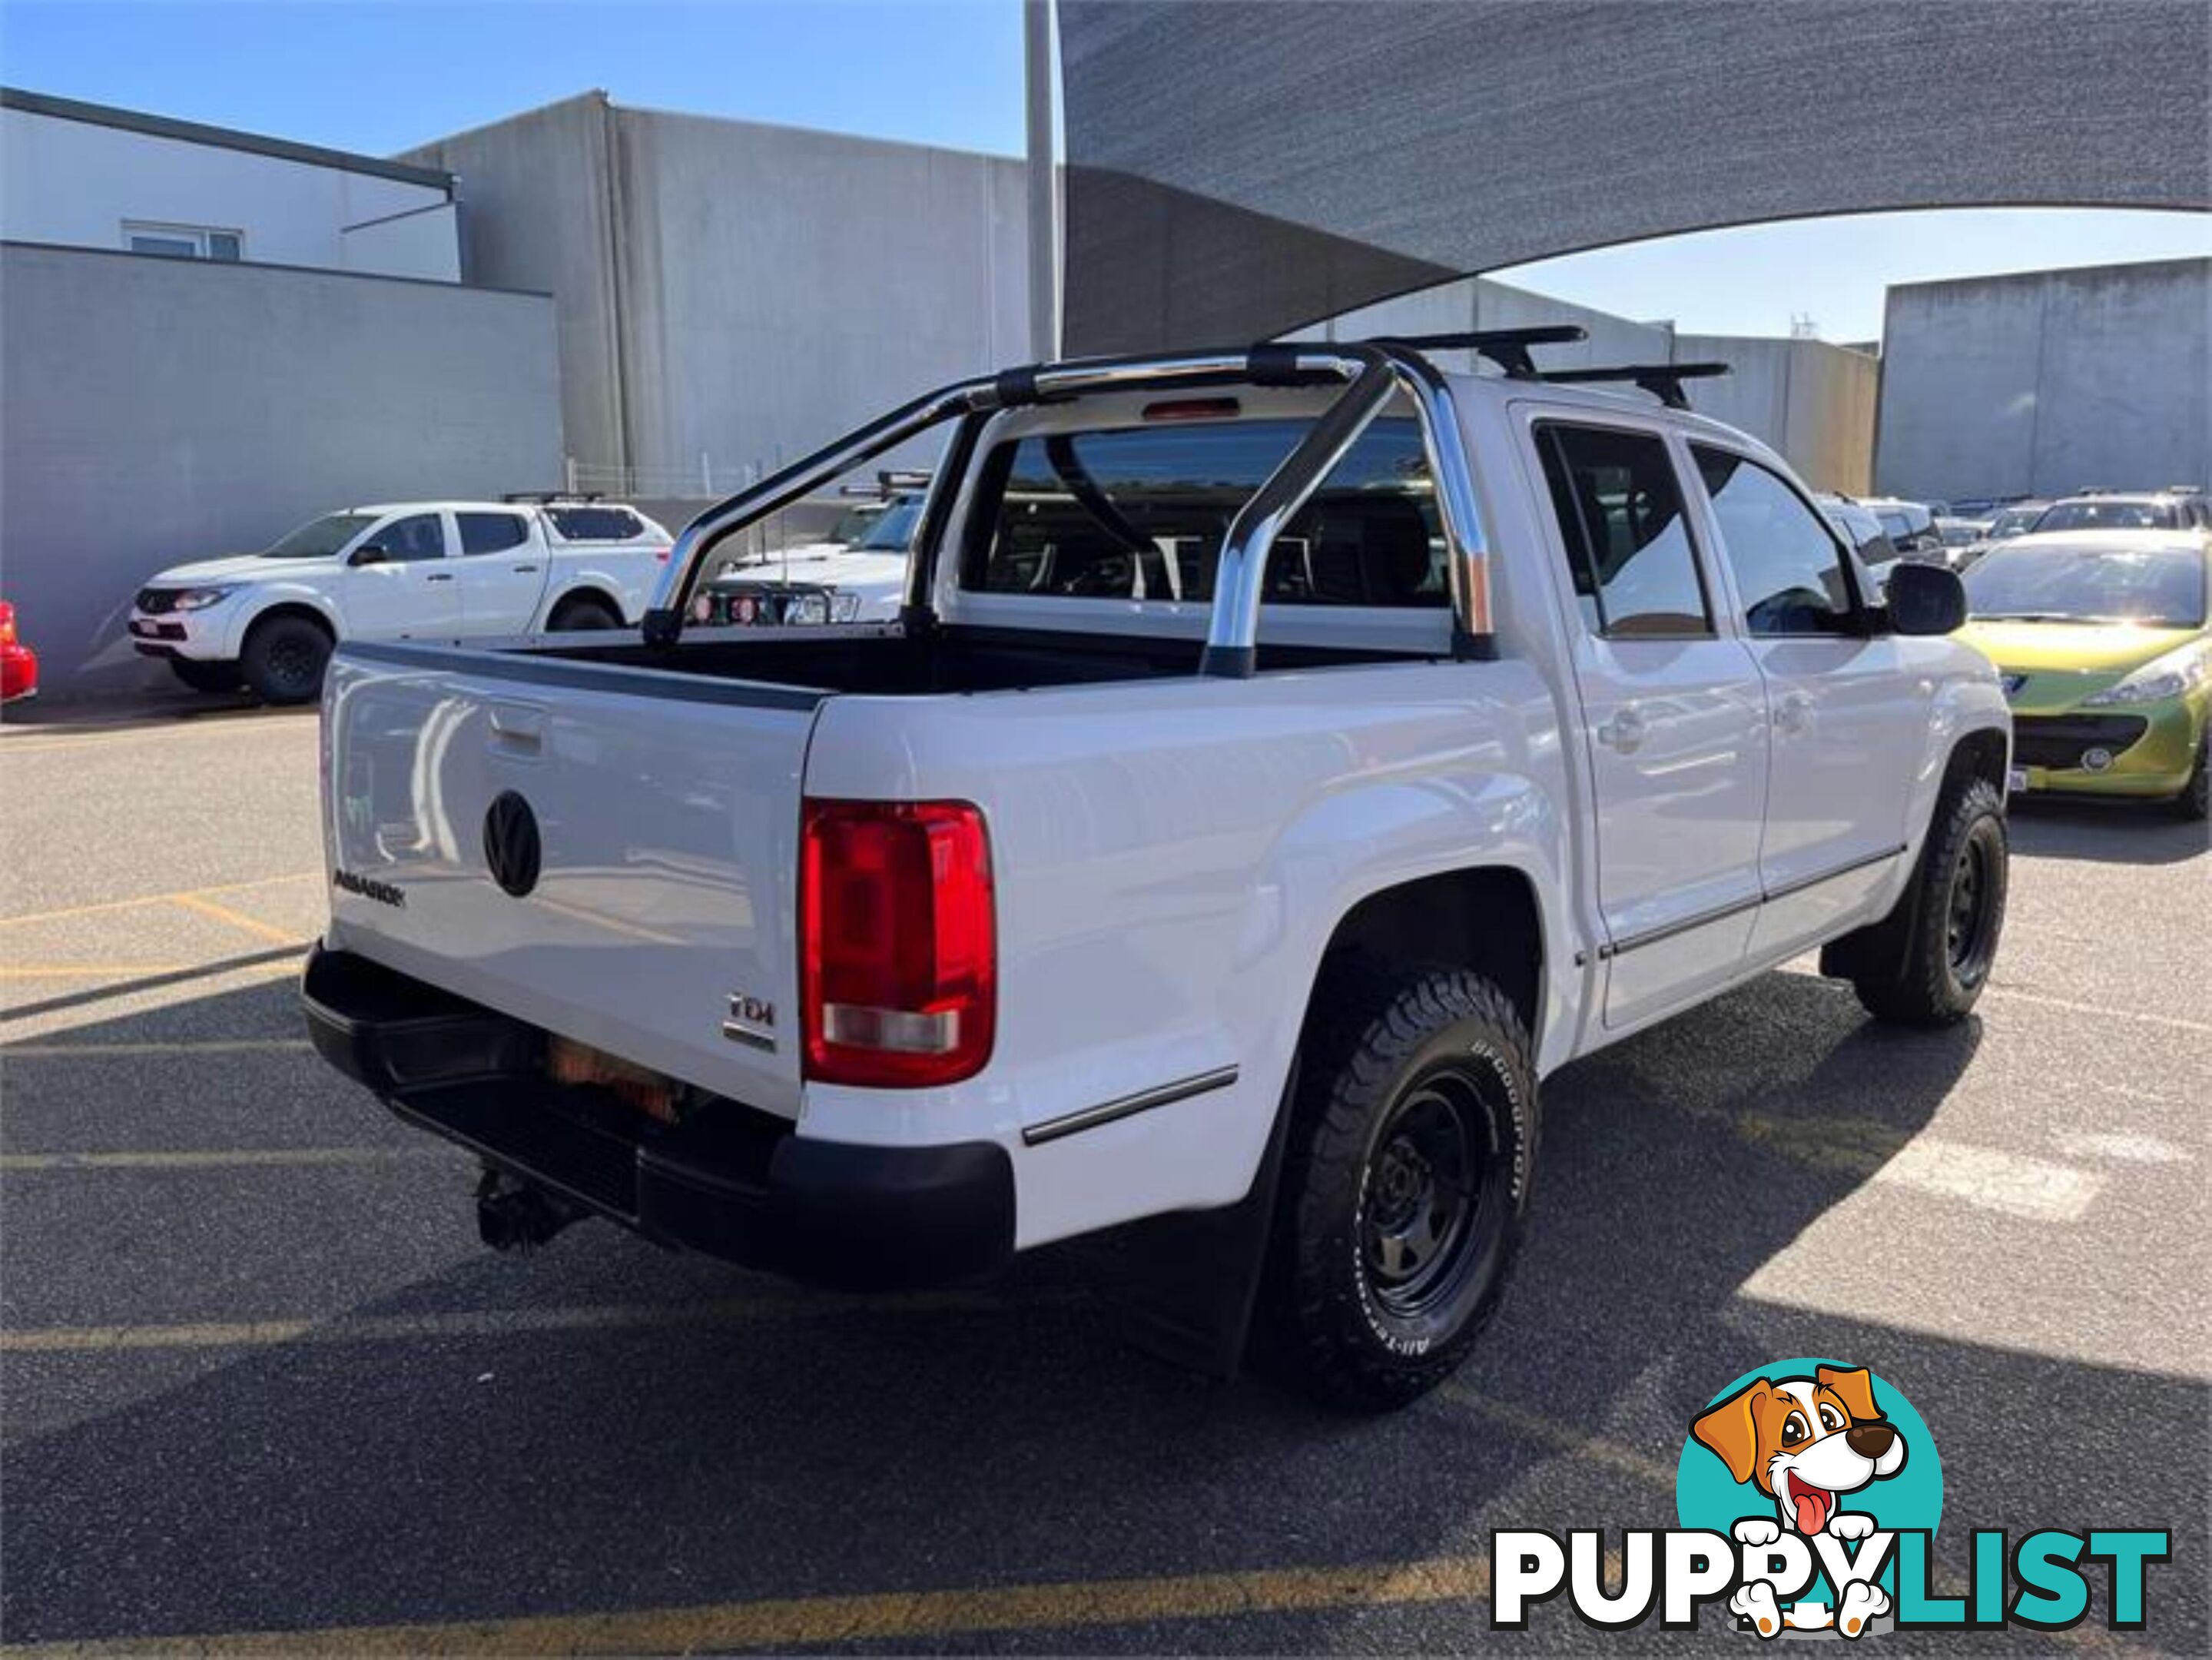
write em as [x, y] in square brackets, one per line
[547, 498]
[1662, 380]
[1507, 348]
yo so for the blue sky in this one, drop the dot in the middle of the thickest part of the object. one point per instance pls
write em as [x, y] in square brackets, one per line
[378, 77]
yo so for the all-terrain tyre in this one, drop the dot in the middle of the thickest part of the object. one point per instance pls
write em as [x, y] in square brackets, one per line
[207, 677]
[1404, 1196]
[584, 612]
[284, 659]
[1927, 964]
[2194, 804]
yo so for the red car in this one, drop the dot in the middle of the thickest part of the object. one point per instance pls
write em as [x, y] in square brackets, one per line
[19, 664]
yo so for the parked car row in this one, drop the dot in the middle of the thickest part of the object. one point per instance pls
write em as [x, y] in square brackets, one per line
[267, 622]
[405, 570]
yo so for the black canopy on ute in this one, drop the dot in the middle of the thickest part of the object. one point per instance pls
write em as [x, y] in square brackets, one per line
[1237, 168]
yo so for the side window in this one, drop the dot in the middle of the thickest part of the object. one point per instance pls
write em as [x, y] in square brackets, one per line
[1628, 542]
[1787, 564]
[418, 536]
[491, 533]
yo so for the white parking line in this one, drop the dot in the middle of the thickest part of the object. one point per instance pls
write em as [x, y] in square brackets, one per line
[2010, 1182]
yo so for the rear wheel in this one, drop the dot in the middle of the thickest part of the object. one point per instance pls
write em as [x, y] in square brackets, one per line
[1928, 964]
[2195, 801]
[207, 677]
[284, 659]
[1405, 1185]
[584, 611]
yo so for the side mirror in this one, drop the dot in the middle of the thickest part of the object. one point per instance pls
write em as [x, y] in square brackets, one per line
[1925, 599]
[370, 553]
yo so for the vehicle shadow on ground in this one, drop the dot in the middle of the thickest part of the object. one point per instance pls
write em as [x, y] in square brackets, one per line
[2111, 832]
[842, 1447]
[139, 713]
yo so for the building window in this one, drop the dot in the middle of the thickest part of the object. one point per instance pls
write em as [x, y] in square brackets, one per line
[183, 241]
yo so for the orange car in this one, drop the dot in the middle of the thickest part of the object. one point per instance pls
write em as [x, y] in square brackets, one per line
[19, 664]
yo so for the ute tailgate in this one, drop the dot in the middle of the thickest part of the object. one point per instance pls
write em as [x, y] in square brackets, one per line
[665, 809]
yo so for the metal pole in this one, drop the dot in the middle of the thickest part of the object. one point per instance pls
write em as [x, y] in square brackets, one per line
[1044, 182]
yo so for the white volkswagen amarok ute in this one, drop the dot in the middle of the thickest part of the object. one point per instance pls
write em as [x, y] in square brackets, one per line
[405, 570]
[1284, 759]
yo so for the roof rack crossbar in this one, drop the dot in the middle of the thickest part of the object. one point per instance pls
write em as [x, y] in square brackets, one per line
[1662, 380]
[1507, 348]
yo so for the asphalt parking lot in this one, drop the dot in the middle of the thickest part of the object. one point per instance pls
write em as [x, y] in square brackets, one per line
[260, 1378]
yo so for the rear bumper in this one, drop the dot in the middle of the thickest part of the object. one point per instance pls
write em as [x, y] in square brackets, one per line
[732, 1182]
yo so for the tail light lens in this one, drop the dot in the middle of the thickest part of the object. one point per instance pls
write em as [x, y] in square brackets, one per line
[898, 954]
[6, 623]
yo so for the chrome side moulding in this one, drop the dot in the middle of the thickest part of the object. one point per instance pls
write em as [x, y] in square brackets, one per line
[1107, 1112]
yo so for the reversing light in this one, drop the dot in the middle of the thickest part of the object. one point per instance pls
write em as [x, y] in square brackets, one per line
[898, 953]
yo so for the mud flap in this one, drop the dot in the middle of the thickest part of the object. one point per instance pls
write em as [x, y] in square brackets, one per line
[1191, 1279]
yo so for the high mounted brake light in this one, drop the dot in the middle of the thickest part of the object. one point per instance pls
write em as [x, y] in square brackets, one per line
[1193, 409]
[898, 954]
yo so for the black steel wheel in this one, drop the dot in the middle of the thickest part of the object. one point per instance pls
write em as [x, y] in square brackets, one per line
[284, 659]
[1926, 963]
[1432, 1203]
[1405, 1183]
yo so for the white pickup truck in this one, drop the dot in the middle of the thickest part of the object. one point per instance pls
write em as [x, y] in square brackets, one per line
[409, 570]
[1286, 757]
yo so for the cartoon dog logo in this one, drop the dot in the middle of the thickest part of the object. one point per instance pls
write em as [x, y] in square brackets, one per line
[1805, 1443]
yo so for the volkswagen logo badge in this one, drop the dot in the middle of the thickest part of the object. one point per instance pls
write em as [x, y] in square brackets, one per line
[512, 850]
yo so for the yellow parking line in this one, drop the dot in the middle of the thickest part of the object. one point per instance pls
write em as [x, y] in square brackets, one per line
[1565, 1437]
[67, 912]
[486, 1322]
[237, 919]
[182, 1047]
[218, 1158]
[884, 1616]
[201, 727]
[87, 971]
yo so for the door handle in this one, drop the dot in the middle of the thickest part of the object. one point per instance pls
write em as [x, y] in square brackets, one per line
[1793, 712]
[1625, 730]
[439, 577]
[525, 570]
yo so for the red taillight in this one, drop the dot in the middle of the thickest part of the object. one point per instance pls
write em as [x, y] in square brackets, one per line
[898, 956]
[6, 623]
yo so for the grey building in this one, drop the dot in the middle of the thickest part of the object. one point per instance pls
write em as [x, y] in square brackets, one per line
[2040, 382]
[731, 294]
[207, 336]
[1813, 402]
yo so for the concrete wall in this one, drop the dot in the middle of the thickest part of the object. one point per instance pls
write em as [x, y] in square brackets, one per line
[2043, 381]
[537, 214]
[159, 411]
[731, 294]
[77, 183]
[1813, 402]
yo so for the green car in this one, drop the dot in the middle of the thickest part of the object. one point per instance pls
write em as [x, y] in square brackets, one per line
[2102, 641]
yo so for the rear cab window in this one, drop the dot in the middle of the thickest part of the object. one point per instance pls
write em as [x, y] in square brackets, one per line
[1140, 514]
